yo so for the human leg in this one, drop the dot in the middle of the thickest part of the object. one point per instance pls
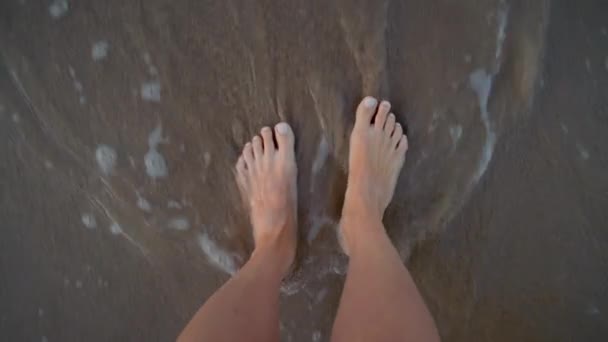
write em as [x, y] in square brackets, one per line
[246, 308]
[380, 301]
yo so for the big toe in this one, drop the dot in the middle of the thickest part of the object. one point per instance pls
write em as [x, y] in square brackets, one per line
[365, 111]
[285, 138]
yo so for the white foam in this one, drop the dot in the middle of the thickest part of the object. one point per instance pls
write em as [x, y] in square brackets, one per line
[336, 266]
[179, 223]
[106, 158]
[323, 151]
[150, 91]
[502, 16]
[316, 336]
[78, 86]
[321, 156]
[58, 8]
[582, 151]
[592, 310]
[481, 83]
[455, 133]
[486, 155]
[116, 229]
[217, 256]
[151, 68]
[207, 159]
[143, 204]
[147, 58]
[156, 166]
[132, 162]
[88, 220]
[99, 50]
[155, 137]
[321, 295]
[316, 223]
[172, 204]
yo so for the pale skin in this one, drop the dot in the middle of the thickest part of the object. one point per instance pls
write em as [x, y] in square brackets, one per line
[380, 301]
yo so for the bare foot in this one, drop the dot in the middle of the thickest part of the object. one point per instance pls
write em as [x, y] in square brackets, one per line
[266, 176]
[377, 154]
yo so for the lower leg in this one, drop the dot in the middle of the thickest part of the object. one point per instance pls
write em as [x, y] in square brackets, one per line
[380, 301]
[246, 308]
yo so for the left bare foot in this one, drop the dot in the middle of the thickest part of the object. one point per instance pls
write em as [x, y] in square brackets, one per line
[266, 176]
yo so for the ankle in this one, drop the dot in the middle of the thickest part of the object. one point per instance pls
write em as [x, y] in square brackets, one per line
[358, 207]
[359, 233]
[274, 254]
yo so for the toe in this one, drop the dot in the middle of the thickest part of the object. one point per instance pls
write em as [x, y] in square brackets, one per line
[258, 149]
[403, 145]
[389, 126]
[285, 137]
[248, 156]
[397, 133]
[381, 115]
[266, 133]
[241, 173]
[366, 111]
[241, 166]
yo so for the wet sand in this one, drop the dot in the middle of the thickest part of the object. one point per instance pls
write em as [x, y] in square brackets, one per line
[121, 123]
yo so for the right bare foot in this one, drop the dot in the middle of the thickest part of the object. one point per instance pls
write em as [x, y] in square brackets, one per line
[377, 154]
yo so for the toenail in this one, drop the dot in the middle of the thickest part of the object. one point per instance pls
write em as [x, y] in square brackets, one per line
[385, 104]
[282, 128]
[370, 102]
